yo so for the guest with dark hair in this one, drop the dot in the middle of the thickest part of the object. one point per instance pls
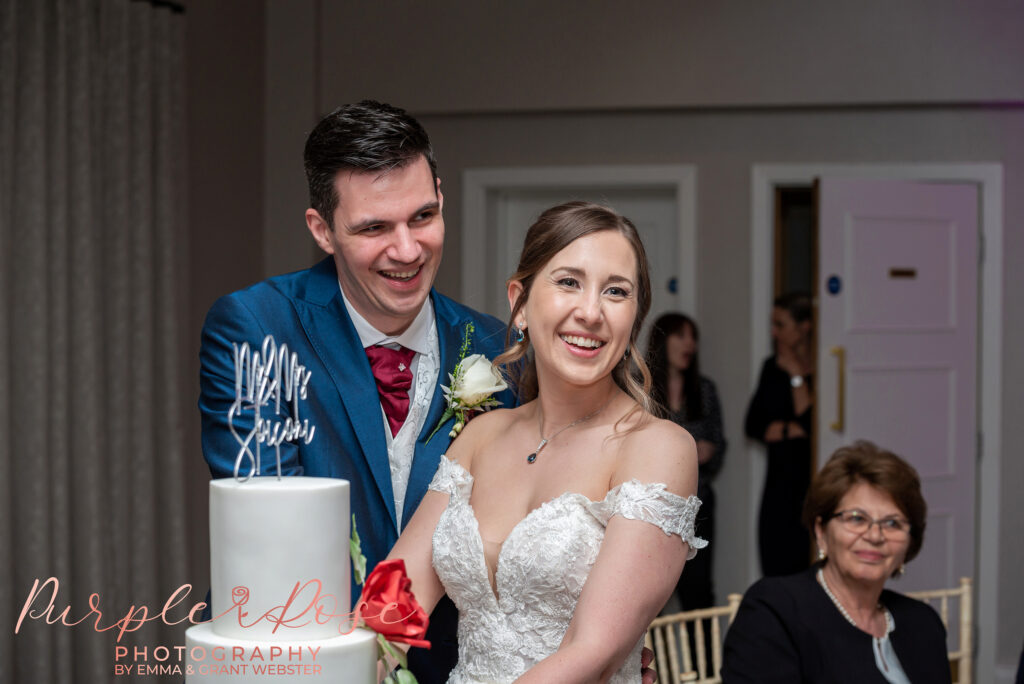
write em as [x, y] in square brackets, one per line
[836, 622]
[779, 416]
[691, 400]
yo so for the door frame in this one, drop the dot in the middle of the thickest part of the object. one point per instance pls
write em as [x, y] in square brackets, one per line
[477, 184]
[989, 178]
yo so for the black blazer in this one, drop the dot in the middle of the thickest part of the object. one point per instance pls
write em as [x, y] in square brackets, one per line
[787, 630]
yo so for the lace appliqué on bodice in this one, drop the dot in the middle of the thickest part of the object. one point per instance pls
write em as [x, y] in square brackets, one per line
[542, 567]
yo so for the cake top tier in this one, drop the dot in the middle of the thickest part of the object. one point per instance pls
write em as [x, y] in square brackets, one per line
[279, 549]
[273, 484]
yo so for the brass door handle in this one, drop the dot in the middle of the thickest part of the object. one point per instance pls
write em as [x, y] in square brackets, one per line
[840, 354]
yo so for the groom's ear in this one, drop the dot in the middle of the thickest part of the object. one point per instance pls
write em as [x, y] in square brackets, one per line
[320, 229]
[515, 291]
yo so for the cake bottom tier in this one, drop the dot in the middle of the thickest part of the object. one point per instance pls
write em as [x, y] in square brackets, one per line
[345, 659]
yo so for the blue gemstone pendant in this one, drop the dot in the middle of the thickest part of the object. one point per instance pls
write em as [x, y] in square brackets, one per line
[540, 447]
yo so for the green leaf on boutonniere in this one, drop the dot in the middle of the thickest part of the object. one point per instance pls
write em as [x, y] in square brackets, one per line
[465, 340]
[448, 413]
[355, 550]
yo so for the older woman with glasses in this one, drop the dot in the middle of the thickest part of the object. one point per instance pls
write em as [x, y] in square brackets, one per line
[836, 622]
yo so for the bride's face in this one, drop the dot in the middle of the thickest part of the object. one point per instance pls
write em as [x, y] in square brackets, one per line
[581, 308]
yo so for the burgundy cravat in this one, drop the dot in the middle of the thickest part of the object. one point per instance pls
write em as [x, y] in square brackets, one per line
[391, 369]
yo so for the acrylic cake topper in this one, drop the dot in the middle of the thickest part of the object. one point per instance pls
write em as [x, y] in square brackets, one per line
[271, 383]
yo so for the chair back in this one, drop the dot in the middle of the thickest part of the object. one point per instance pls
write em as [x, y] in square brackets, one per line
[688, 645]
[960, 657]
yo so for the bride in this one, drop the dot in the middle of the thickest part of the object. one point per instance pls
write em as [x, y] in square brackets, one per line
[559, 528]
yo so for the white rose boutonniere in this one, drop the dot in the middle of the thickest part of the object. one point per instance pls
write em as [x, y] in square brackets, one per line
[479, 381]
[472, 384]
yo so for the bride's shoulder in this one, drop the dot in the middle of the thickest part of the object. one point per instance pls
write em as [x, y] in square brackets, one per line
[478, 433]
[658, 450]
[659, 439]
[489, 423]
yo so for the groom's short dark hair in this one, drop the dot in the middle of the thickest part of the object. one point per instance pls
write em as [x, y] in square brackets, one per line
[363, 137]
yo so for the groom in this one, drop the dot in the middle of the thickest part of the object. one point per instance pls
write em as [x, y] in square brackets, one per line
[366, 321]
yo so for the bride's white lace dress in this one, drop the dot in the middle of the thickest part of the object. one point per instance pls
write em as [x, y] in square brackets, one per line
[541, 569]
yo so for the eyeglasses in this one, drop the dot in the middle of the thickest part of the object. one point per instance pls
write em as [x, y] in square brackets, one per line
[859, 522]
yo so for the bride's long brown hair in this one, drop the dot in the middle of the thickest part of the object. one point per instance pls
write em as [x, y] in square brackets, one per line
[557, 228]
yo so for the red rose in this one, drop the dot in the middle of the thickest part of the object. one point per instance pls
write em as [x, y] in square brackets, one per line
[389, 608]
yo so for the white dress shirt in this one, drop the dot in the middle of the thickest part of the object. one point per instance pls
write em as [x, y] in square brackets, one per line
[421, 338]
[885, 655]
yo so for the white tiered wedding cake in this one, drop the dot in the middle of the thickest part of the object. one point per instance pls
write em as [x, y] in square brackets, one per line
[267, 536]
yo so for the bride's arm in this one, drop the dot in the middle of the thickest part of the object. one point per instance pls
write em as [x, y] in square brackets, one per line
[414, 546]
[636, 569]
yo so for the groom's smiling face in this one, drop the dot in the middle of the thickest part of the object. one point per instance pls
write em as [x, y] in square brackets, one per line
[387, 238]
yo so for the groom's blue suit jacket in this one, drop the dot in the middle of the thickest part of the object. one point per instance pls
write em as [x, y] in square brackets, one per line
[305, 311]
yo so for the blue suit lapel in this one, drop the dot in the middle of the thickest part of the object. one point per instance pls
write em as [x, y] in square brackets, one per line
[332, 335]
[450, 332]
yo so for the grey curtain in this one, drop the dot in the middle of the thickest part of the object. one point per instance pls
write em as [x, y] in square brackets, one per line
[91, 218]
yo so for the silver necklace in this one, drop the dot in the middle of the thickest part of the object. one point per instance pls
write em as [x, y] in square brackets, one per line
[842, 610]
[544, 440]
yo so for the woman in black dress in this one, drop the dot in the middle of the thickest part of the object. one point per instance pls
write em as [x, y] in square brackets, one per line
[690, 400]
[780, 417]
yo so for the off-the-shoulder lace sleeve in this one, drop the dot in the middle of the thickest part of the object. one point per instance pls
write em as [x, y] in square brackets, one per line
[451, 479]
[653, 503]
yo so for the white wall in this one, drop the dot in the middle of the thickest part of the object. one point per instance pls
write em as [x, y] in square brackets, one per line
[450, 56]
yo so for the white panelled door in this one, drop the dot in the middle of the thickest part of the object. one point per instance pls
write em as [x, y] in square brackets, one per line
[897, 341]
